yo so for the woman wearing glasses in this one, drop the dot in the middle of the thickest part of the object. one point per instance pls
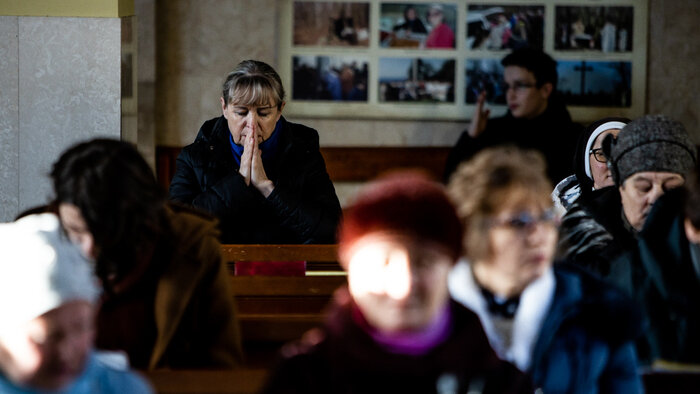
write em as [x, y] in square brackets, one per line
[590, 165]
[581, 238]
[570, 331]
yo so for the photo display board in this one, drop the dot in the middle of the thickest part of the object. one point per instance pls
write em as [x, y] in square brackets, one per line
[430, 60]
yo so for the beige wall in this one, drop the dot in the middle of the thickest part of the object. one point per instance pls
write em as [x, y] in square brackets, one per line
[673, 81]
[198, 42]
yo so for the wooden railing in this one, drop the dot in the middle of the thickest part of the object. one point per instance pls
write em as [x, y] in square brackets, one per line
[273, 310]
[252, 380]
[237, 381]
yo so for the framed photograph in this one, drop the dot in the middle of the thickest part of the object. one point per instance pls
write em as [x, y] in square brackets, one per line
[498, 27]
[602, 84]
[417, 25]
[602, 29]
[421, 80]
[413, 59]
[325, 23]
[329, 78]
[485, 75]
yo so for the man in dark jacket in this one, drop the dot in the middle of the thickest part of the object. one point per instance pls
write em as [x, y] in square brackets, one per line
[536, 119]
[263, 177]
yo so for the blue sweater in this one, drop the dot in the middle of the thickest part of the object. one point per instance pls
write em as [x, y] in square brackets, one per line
[97, 378]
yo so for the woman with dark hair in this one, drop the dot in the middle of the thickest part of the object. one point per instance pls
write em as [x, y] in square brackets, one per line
[262, 176]
[167, 301]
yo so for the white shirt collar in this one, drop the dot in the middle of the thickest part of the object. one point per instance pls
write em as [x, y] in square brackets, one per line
[535, 302]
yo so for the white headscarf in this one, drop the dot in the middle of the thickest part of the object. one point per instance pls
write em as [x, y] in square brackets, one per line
[40, 269]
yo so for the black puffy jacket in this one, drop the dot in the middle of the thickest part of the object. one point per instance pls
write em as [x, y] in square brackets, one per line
[303, 207]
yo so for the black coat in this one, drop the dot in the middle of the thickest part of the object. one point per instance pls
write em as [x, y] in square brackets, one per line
[592, 232]
[343, 358]
[654, 267]
[303, 207]
[552, 133]
[660, 275]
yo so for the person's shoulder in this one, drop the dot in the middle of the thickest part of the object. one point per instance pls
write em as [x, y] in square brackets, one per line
[100, 376]
[301, 133]
[463, 315]
[190, 224]
[601, 307]
[210, 131]
[302, 140]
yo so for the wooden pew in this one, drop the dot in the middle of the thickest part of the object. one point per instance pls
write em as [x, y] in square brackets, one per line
[251, 381]
[273, 310]
[238, 381]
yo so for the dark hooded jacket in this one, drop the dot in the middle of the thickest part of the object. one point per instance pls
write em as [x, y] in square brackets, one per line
[661, 274]
[552, 133]
[303, 207]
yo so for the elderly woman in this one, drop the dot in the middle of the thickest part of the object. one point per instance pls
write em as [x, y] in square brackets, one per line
[48, 303]
[263, 177]
[590, 164]
[570, 331]
[574, 194]
[167, 301]
[395, 329]
[651, 155]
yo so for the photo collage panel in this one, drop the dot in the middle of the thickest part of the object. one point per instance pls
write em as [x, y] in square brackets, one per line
[388, 54]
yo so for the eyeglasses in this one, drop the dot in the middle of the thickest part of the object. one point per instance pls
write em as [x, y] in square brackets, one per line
[518, 86]
[525, 220]
[598, 155]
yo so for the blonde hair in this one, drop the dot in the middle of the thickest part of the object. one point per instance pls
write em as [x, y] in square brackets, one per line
[253, 83]
[495, 179]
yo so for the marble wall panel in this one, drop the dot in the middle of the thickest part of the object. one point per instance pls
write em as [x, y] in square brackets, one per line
[9, 118]
[70, 83]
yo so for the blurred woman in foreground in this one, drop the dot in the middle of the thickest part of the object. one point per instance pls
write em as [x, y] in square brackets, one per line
[395, 328]
[167, 301]
[570, 331]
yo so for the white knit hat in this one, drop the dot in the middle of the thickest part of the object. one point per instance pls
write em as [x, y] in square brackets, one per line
[40, 269]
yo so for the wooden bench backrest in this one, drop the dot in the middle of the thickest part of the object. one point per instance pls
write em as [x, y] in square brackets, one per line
[281, 308]
[325, 253]
[252, 380]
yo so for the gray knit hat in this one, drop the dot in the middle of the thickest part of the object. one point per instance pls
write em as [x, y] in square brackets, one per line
[650, 143]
